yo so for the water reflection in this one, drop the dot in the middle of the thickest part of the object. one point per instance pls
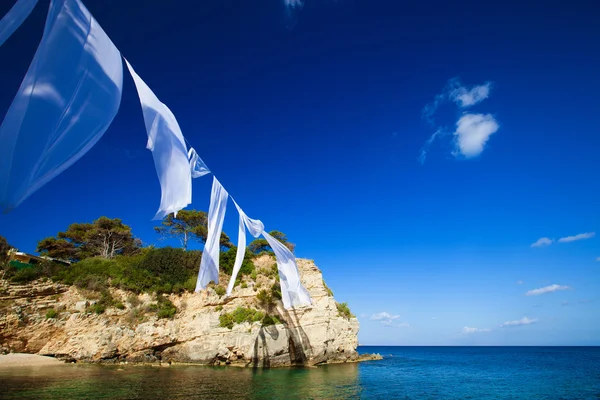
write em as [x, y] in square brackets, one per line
[137, 382]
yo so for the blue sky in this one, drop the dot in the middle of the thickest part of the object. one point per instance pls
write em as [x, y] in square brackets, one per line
[312, 118]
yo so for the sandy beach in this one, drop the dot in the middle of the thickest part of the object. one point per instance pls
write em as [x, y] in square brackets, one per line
[26, 360]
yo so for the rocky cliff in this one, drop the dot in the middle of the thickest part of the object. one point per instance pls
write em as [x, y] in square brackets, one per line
[52, 319]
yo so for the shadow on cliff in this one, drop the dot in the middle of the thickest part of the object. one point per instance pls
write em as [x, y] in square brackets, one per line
[299, 347]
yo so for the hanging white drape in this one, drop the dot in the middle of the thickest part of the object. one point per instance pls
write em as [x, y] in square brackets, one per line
[293, 293]
[209, 264]
[256, 228]
[67, 100]
[169, 151]
[15, 17]
[197, 165]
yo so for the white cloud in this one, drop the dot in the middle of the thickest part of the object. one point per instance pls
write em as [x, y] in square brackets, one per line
[384, 316]
[387, 319]
[546, 289]
[467, 330]
[598, 259]
[430, 109]
[575, 238]
[472, 133]
[541, 242]
[519, 282]
[469, 97]
[427, 144]
[473, 130]
[519, 322]
[458, 93]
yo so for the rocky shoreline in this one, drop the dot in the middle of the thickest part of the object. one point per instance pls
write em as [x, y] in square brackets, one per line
[19, 360]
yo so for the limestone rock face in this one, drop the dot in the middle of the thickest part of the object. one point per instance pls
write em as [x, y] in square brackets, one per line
[305, 336]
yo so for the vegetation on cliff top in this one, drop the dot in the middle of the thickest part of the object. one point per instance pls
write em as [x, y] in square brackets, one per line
[105, 253]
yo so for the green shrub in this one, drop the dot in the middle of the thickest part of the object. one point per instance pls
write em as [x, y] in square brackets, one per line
[259, 247]
[106, 300]
[92, 282]
[226, 320]
[253, 275]
[219, 308]
[97, 308]
[133, 276]
[276, 291]
[273, 272]
[168, 263]
[51, 313]
[162, 270]
[227, 261]
[244, 285]
[25, 275]
[239, 316]
[344, 310]
[220, 290]
[270, 320]
[329, 291]
[190, 284]
[133, 300]
[165, 308]
[98, 268]
[264, 298]
[191, 260]
[120, 305]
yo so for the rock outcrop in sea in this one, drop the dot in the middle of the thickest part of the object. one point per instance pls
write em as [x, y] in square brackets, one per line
[56, 320]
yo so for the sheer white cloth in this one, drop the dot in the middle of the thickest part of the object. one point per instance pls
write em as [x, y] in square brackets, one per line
[256, 228]
[209, 264]
[169, 151]
[197, 165]
[67, 100]
[15, 17]
[293, 293]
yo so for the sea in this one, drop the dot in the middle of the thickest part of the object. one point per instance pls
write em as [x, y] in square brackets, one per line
[404, 373]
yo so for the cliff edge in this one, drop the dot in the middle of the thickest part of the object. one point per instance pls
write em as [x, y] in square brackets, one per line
[56, 320]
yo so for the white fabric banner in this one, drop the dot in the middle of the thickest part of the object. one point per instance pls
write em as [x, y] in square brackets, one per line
[209, 264]
[256, 228]
[15, 17]
[292, 292]
[197, 166]
[240, 253]
[67, 100]
[169, 151]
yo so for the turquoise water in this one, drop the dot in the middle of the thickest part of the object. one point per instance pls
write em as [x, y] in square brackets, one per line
[405, 373]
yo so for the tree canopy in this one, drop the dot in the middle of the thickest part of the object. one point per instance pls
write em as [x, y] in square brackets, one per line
[105, 238]
[188, 225]
[261, 245]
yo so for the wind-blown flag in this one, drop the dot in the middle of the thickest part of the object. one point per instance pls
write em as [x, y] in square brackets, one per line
[169, 151]
[67, 100]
